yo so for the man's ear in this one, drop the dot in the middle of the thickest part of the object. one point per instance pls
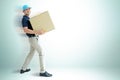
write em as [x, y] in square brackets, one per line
[24, 11]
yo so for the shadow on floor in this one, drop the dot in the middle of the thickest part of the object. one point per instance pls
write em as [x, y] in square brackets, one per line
[36, 74]
[16, 71]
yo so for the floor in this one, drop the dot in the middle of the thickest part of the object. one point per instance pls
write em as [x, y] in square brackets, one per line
[63, 74]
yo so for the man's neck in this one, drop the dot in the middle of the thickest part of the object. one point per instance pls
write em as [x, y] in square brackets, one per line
[27, 15]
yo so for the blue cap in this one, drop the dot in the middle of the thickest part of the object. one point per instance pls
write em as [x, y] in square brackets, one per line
[26, 7]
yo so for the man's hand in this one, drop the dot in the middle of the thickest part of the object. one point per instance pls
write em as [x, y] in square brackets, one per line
[39, 32]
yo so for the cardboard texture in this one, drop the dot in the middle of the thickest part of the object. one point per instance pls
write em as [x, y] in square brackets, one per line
[42, 22]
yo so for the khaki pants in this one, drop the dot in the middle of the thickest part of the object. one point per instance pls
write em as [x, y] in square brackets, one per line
[34, 46]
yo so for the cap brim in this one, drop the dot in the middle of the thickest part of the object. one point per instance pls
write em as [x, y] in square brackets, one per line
[27, 8]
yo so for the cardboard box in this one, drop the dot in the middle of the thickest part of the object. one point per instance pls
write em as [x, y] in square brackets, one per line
[42, 21]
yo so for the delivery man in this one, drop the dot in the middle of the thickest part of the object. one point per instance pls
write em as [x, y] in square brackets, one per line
[33, 40]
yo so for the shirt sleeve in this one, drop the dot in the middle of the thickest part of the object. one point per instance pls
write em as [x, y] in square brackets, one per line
[24, 22]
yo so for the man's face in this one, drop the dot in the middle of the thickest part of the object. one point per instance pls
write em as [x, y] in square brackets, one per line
[27, 11]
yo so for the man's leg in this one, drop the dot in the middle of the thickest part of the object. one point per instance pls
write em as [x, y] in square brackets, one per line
[34, 43]
[28, 59]
[41, 59]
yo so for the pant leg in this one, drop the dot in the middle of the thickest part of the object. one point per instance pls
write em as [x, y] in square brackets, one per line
[28, 58]
[36, 46]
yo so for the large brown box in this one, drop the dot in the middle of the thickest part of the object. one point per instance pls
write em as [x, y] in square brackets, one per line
[42, 21]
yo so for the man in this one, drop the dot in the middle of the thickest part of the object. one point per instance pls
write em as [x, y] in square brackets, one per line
[33, 39]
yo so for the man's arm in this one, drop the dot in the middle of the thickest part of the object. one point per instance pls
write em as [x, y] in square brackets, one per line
[29, 31]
